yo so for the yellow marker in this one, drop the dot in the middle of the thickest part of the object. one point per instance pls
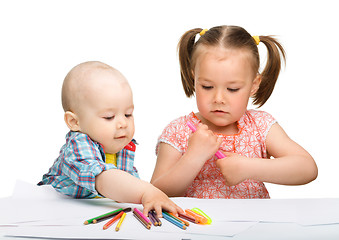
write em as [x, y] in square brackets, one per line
[198, 211]
[120, 222]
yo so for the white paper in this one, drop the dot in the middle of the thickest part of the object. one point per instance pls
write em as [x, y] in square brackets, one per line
[42, 212]
[301, 211]
[46, 214]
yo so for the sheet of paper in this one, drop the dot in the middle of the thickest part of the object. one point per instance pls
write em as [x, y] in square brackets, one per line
[130, 229]
[42, 212]
[301, 211]
[47, 212]
[50, 228]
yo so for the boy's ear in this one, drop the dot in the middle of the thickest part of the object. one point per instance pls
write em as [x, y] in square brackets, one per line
[72, 121]
[256, 84]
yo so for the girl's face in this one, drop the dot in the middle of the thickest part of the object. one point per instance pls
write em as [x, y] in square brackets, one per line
[224, 82]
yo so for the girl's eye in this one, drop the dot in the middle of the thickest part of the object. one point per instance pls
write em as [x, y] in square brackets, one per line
[207, 87]
[233, 89]
[128, 115]
[109, 118]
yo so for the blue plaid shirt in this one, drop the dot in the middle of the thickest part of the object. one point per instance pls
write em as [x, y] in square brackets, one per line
[80, 161]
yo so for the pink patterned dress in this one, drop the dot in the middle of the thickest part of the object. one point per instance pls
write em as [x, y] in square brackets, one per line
[249, 141]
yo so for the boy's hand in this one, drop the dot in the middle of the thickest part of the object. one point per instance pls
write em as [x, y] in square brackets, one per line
[155, 199]
[203, 143]
[234, 168]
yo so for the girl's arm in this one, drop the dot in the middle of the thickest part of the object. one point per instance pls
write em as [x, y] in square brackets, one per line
[174, 171]
[291, 165]
[123, 187]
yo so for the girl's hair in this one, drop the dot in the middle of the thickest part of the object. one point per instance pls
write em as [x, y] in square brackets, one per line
[231, 37]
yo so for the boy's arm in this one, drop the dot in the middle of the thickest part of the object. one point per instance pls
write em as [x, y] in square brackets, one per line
[291, 165]
[123, 187]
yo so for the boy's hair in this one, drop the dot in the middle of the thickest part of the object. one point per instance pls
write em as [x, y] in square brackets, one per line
[231, 37]
[79, 71]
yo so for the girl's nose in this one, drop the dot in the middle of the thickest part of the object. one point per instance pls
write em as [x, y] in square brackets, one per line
[219, 97]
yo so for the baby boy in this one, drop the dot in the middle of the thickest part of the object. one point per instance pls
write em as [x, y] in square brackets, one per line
[98, 156]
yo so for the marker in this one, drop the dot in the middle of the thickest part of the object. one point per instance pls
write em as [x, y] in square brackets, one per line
[188, 218]
[173, 221]
[113, 220]
[103, 216]
[156, 218]
[197, 216]
[193, 128]
[117, 228]
[199, 211]
[111, 215]
[153, 220]
[143, 216]
[141, 220]
[179, 219]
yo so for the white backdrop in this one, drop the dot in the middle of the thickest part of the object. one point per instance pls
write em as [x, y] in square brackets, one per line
[42, 40]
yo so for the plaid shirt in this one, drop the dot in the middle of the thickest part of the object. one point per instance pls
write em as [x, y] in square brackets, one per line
[80, 161]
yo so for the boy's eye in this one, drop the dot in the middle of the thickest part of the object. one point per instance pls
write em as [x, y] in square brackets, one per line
[233, 89]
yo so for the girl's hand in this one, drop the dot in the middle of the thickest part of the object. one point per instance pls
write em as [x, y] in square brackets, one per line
[153, 198]
[234, 168]
[203, 144]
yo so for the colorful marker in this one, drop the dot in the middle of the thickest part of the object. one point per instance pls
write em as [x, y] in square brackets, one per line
[143, 216]
[117, 228]
[173, 221]
[103, 216]
[113, 220]
[179, 219]
[141, 219]
[154, 214]
[199, 211]
[188, 218]
[197, 216]
[193, 128]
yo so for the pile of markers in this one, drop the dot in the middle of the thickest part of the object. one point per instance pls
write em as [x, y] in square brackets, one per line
[115, 215]
[194, 215]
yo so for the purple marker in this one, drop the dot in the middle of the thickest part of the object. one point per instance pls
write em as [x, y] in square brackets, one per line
[193, 128]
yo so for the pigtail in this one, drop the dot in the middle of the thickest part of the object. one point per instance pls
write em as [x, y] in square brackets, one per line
[185, 50]
[271, 71]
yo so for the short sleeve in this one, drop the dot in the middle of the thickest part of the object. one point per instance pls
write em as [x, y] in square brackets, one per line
[125, 159]
[84, 164]
[175, 134]
[263, 122]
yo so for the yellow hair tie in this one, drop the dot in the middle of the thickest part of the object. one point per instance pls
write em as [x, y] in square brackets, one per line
[256, 39]
[203, 32]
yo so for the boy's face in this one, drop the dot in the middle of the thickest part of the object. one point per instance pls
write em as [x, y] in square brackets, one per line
[106, 110]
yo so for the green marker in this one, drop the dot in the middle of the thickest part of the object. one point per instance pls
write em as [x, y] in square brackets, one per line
[198, 211]
[106, 215]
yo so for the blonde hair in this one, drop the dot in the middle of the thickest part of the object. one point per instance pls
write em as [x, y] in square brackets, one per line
[78, 72]
[231, 37]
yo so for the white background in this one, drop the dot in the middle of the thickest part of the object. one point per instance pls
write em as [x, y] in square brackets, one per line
[42, 40]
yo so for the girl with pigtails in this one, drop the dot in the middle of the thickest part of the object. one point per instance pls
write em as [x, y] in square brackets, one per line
[221, 69]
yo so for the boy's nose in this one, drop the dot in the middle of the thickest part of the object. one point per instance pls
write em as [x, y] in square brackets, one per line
[122, 122]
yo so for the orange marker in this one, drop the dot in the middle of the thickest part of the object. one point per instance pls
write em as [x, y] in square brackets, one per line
[113, 220]
[197, 216]
[188, 218]
[180, 219]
